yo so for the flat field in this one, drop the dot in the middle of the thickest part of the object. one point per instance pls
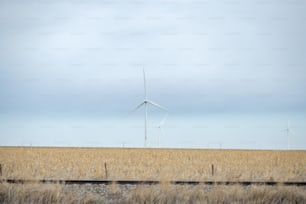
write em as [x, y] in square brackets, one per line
[155, 164]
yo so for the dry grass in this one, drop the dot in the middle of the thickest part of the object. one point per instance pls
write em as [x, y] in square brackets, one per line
[42, 193]
[218, 194]
[55, 194]
[159, 164]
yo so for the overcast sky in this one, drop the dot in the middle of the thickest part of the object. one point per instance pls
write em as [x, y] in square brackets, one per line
[231, 63]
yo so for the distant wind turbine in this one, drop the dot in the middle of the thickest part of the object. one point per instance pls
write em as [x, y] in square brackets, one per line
[160, 127]
[288, 131]
[145, 103]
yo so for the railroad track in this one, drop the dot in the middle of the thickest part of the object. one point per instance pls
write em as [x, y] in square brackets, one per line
[154, 182]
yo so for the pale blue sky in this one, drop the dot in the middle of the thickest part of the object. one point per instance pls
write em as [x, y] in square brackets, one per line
[230, 72]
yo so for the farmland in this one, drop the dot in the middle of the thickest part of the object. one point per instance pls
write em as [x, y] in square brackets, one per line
[151, 164]
[155, 164]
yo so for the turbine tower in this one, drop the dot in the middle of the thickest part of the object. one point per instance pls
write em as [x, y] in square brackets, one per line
[288, 131]
[145, 103]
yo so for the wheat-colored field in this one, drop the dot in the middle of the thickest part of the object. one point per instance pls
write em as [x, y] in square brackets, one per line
[157, 164]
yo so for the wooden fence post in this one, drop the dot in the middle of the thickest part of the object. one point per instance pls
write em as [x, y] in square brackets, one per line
[105, 167]
[212, 170]
[0, 169]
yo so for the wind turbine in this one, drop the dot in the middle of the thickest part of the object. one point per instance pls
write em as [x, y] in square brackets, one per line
[160, 127]
[288, 131]
[145, 103]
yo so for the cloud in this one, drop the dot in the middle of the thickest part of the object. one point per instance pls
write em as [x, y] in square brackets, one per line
[87, 57]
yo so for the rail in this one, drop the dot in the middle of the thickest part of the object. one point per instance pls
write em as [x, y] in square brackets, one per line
[155, 182]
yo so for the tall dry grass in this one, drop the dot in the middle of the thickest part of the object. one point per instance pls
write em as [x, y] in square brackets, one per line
[55, 194]
[42, 194]
[218, 194]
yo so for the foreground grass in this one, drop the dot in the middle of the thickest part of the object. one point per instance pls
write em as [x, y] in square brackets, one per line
[166, 193]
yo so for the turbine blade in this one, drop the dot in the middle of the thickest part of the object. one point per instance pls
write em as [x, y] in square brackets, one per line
[162, 122]
[157, 106]
[288, 125]
[137, 107]
[145, 84]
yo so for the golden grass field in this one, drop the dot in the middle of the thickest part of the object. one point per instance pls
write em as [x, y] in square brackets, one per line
[157, 164]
